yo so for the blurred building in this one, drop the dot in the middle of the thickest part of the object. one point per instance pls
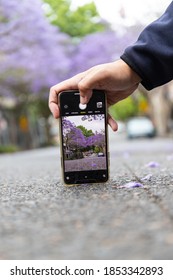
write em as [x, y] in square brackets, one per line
[19, 129]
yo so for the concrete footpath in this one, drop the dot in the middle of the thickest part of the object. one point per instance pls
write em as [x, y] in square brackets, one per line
[42, 219]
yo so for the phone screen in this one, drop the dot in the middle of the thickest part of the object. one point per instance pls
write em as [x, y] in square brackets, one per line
[84, 138]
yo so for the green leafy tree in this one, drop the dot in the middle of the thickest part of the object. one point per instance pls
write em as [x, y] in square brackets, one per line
[124, 109]
[77, 23]
[86, 132]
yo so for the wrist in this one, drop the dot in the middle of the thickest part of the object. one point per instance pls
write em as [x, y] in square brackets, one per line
[133, 77]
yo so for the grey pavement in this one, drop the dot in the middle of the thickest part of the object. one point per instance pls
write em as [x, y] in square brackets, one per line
[42, 219]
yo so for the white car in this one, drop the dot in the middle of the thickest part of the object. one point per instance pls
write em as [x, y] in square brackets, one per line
[100, 154]
[140, 127]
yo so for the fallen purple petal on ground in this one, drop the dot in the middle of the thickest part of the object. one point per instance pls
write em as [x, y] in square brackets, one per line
[147, 177]
[130, 185]
[153, 164]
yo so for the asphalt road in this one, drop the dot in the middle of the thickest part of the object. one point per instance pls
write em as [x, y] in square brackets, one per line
[42, 219]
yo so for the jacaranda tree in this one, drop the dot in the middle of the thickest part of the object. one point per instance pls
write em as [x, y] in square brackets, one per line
[97, 48]
[33, 54]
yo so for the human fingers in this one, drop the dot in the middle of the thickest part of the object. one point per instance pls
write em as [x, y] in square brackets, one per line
[94, 78]
[85, 95]
[113, 124]
[53, 102]
[85, 91]
[69, 84]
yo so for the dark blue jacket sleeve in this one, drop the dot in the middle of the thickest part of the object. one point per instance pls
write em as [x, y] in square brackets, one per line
[151, 57]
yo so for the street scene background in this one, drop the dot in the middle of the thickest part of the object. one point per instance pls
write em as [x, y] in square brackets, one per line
[129, 217]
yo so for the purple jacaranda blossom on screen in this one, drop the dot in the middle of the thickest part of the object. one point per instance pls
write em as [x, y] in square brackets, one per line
[75, 138]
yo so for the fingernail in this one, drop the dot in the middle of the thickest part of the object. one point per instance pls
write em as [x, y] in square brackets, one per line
[83, 100]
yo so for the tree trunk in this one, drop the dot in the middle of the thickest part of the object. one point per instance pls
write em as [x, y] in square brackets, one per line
[160, 109]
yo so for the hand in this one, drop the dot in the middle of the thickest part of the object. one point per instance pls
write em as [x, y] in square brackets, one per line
[117, 79]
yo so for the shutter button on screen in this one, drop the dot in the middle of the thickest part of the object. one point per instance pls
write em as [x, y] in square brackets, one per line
[82, 106]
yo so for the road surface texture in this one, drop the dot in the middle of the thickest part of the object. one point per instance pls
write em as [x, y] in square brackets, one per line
[42, 219]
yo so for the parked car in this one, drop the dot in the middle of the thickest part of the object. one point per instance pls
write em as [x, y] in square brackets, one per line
[100, 154]
[140, 127]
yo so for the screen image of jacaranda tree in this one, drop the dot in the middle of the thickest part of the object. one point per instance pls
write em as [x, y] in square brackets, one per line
[84, 142]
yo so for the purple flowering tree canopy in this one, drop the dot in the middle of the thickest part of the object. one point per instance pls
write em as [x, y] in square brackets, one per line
[74, 137]
[97, 48]
[34, 55]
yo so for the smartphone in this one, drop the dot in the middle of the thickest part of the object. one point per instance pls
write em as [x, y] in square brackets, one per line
[83, 138]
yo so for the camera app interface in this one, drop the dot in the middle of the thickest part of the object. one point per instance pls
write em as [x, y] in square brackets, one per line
[84, 139]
